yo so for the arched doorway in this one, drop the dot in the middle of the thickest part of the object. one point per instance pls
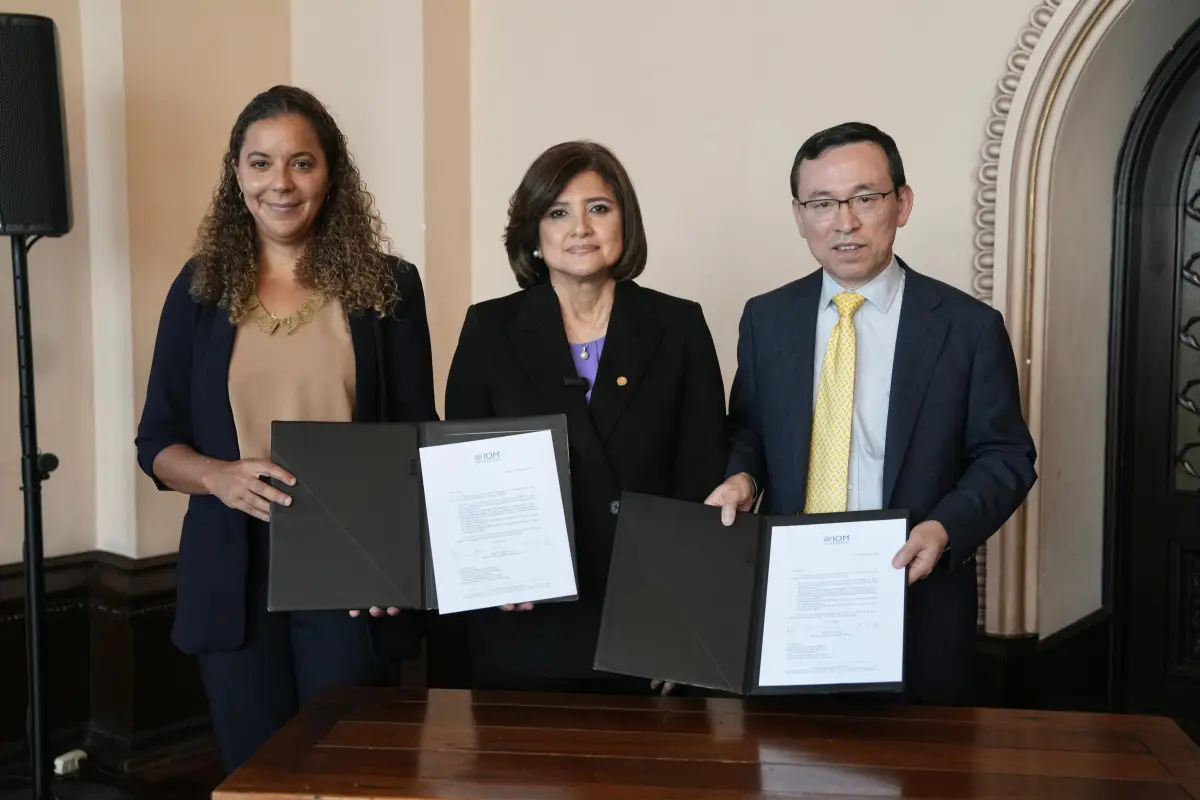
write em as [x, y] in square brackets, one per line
[1058, 605]
[1154, 396]
[1045, 258]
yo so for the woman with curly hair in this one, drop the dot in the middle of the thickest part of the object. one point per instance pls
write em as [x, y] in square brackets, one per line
[289, 309]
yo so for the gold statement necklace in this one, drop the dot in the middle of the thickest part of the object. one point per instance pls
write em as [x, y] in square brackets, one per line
[268, 323]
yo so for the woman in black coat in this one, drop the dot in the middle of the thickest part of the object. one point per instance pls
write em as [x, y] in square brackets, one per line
[290, 308]
[634, 371]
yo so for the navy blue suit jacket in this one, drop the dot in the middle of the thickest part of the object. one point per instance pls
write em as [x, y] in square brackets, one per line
[957, 449]
[187, 402]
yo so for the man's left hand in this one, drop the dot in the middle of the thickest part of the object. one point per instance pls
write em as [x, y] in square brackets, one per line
[921, 552]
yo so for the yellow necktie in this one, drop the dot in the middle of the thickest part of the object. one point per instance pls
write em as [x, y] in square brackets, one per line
[829, 455]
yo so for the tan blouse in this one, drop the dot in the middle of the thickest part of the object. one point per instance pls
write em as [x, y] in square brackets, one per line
[297, 368]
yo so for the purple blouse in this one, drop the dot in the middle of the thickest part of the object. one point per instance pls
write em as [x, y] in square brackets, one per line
[587, 361]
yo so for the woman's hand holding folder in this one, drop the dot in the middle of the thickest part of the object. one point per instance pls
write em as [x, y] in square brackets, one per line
[376, 611]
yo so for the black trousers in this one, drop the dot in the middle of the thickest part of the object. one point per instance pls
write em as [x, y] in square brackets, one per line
[940, 638]
[286, 658]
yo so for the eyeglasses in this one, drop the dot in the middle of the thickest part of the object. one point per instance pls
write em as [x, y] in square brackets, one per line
[863, 206]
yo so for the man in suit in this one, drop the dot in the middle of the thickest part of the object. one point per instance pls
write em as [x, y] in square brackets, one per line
[866, 385]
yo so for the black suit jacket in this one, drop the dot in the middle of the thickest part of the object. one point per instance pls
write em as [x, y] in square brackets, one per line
[660, 431]
[187, 402]
[957, 449]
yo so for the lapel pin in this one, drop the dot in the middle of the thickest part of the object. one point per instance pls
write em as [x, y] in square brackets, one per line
[621, 381]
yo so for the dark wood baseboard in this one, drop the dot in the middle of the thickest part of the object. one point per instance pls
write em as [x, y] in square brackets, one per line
[118, 688]
[115, 686]
[1068, 671]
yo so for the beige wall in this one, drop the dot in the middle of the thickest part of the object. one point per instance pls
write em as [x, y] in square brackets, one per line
[364, 59]
[447, 114]
[107, 212]
[60, 313]
[706, 104]
[188, 72]
[445, 102]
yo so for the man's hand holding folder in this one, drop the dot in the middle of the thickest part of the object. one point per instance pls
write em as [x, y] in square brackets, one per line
[920, 554]
[808, 602]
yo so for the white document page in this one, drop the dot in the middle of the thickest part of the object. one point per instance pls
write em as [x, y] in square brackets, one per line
[834, 605]
[497, 528]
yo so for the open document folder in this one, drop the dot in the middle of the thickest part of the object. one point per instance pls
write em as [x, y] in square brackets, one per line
[769, 605]
[438, 515]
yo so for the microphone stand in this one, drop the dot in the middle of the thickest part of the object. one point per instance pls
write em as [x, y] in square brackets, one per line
[35, 468]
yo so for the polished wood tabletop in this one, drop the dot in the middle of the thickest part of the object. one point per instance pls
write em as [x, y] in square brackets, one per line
[409, 743]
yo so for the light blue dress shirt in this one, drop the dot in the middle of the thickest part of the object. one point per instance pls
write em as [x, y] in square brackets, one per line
[875, 325]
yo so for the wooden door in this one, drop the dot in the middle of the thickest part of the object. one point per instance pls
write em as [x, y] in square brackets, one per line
[1154, 463]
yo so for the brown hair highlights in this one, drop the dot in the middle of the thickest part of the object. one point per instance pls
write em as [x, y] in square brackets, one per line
[544, 181]
[347, 256]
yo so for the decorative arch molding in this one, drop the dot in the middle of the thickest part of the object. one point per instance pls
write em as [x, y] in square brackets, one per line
[985, 199]
[983, 264]
[1011, 214]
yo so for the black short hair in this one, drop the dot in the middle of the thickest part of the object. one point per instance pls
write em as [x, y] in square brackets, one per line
[848, 133]
[543, 182]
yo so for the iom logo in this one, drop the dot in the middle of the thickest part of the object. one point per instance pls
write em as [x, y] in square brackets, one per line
[484, 458]
[837, 538]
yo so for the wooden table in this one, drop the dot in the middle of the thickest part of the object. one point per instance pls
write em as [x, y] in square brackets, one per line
[402, 743]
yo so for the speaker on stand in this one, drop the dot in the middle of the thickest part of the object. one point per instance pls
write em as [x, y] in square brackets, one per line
[35, 201]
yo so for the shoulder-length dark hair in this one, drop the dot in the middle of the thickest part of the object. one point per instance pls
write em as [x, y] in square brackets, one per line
[544, 181]
[347, 256]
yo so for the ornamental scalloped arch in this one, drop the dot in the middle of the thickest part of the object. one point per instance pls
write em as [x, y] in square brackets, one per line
[1011, 212]
[990, 154]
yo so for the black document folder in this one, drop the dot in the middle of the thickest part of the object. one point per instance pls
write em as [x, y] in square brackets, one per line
[355, 534]
[686, 596]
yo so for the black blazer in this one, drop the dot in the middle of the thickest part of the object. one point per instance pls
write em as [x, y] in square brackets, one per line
[957, 449]
[187, 402]
[660, 431]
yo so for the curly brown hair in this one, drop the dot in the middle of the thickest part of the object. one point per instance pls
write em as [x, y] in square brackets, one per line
[347, 256]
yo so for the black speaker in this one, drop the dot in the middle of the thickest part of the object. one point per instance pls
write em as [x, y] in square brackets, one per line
[35, 184]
